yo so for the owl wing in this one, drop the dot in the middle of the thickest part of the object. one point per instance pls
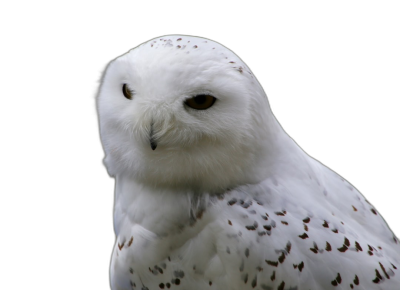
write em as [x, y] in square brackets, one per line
[314, 233]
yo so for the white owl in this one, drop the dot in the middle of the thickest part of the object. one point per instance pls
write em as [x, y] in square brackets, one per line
[211, 193]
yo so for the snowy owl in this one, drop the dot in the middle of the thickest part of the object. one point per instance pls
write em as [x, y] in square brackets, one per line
[211, 193]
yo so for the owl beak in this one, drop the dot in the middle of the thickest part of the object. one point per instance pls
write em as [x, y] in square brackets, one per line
[153, 142]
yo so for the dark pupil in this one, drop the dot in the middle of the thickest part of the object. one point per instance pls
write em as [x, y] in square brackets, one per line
[200, 99]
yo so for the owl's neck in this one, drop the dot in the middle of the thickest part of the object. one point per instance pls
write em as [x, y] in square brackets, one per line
[158, 210]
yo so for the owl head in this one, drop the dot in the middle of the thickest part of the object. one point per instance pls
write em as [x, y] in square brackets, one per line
[184, 112]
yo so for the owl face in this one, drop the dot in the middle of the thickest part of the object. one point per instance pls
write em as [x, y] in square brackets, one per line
[181, 111]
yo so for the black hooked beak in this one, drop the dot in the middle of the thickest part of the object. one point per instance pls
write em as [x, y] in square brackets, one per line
[153, 143]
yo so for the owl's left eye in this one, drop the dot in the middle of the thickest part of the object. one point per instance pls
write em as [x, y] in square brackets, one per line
[127, 92]
[200, 102]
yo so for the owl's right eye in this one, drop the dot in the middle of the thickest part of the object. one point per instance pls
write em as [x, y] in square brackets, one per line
[127, 92]
[200, 102]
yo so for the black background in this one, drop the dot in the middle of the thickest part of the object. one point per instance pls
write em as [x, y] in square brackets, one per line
[330, 83]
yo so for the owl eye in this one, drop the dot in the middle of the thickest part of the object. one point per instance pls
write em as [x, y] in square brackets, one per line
[200, 102]
[127, 92]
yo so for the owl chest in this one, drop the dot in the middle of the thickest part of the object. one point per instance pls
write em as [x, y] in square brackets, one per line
[184, 256]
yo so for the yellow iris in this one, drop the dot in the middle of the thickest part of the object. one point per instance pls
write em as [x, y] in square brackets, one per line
[200, 102]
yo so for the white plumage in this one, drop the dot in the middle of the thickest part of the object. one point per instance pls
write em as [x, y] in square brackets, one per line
[221, 197]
